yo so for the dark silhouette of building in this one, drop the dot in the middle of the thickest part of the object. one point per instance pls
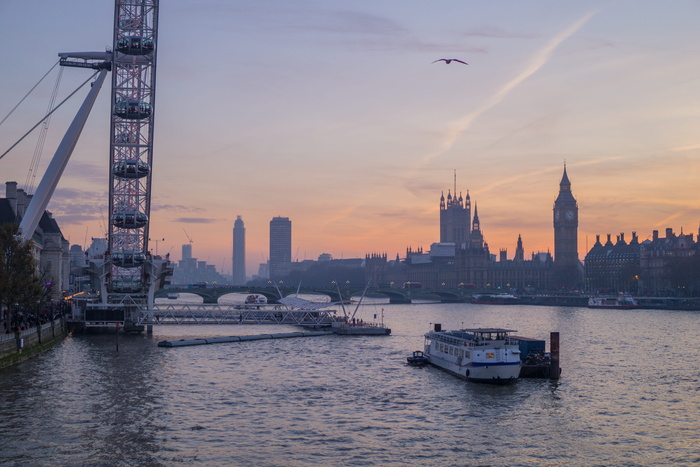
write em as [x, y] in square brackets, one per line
[455, 217]
[667, 265]
[190, 270]
[49, 247]
[462, 258]
[613, 267]
[280, 247]
[238, 269]
[568, 269]
[670, 265]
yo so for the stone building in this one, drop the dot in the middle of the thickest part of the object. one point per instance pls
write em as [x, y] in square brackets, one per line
[613, 267]
[670, 265]
[568, 270]
[657, 266]
[50, 248]
[462, 258]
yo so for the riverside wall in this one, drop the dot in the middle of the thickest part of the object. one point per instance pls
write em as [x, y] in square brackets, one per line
[18, 346]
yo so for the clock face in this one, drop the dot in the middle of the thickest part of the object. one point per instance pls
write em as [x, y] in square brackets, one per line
[570, 215]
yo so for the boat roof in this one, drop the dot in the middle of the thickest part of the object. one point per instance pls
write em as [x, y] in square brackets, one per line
[484, 330]
[303, 304]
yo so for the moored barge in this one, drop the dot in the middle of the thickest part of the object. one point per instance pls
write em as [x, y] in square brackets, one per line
[484, 355]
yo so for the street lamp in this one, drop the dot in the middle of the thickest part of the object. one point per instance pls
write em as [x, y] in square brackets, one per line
[156, 240]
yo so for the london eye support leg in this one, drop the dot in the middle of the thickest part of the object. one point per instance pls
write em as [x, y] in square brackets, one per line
[53, 173]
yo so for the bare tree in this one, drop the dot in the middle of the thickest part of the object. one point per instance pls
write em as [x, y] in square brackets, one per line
[20, 286]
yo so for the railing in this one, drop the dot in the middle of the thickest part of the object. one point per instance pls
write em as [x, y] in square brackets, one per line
[234, 314]
[30, 336]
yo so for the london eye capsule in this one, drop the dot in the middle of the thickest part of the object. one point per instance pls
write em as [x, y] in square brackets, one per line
[135, 45]
[130, 168]
[132, 109]
[129, 219]
[128, 259]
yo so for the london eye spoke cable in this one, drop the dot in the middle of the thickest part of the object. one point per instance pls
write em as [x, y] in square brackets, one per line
[46, 116]
[30, 91]
[39, 149]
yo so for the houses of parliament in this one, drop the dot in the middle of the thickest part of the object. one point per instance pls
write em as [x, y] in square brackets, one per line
[462, 258]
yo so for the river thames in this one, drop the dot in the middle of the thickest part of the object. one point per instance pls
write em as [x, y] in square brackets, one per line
[629, 395]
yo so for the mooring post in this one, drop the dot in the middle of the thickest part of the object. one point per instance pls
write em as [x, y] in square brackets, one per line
[554, 355]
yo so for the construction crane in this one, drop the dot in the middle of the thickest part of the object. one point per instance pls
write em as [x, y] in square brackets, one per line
[188, 237]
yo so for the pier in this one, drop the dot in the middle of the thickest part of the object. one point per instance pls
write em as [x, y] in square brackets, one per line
[234, 314]
[229, 339]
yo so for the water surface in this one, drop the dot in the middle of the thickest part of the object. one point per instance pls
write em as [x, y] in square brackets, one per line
[629, 395]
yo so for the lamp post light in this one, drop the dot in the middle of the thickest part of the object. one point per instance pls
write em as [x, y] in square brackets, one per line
[156, 240]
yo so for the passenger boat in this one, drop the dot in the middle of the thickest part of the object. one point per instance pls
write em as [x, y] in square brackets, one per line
[617, 301]
[484, 355]
[495, 299]
[417, 359]
[255, 299]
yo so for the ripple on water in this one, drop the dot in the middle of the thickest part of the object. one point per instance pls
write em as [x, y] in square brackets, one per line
[628, 396]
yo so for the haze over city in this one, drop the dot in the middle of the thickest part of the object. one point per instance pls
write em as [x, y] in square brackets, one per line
[333, 114]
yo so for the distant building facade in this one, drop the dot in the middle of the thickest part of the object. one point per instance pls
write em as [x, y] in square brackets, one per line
[50, 248]
[455, 218]
[191, 271]
[462, 259]
[659, 266]
[238, 269]
[280, 247]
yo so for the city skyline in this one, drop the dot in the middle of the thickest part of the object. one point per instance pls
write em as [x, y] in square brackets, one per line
[336, 117]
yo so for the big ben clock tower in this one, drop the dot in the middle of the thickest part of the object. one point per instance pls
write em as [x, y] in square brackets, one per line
[567, 268]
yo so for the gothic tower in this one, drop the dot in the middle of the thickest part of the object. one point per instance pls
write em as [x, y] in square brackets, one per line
[566, 263]
[455, 215]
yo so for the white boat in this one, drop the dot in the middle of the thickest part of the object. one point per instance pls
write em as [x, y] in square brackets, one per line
[483, 355]
[617, 301]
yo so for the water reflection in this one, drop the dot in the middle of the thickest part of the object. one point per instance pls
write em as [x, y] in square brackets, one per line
[628, 395]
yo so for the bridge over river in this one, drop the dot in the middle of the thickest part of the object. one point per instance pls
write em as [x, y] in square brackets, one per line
[211, 295]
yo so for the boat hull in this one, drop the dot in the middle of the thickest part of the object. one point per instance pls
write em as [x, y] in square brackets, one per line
[495, 373]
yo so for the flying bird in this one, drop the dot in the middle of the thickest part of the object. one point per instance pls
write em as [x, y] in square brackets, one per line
[448, 60]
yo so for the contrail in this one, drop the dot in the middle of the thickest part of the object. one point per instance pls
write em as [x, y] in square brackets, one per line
[538, 61]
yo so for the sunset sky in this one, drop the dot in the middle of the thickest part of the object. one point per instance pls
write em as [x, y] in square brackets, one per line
[332, 113]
